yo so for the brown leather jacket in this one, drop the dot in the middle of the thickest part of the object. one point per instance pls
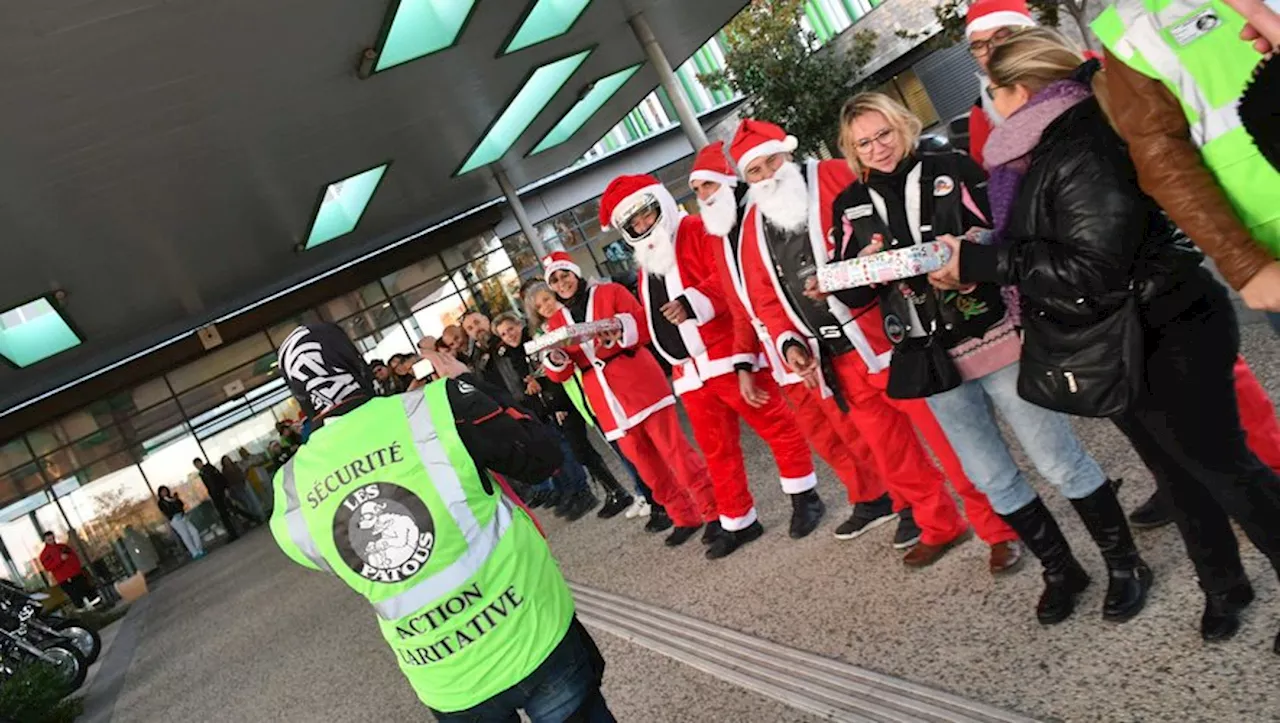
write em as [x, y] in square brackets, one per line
[1151, 121]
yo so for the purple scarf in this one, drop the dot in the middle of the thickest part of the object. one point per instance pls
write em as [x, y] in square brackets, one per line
[1008, 150]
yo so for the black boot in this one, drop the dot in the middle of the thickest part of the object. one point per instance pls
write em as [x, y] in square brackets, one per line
[614, 504]
[1221, 617]
[1150, 515]
[561, 501]
[681, 535]
[711, 532]
[1063, 576]
[580, 504]
[1130, 578]
[806, 513]
[659, 520]
[727, 542]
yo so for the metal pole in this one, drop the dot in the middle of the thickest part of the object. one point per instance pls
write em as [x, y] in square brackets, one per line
[667, 77]
[517, 209]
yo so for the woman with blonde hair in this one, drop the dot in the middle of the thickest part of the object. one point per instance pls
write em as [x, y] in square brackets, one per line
[1119, 318]
[959, 350]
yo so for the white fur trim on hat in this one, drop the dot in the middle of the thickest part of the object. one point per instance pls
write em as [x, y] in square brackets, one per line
[999, 19]
[553, 266]
[700, 174]
[768, 148]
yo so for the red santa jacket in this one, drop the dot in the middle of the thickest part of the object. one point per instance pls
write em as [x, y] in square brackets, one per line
[709, 335]
[863, 327]
[623, 382]
[51, 559]
[749, 333]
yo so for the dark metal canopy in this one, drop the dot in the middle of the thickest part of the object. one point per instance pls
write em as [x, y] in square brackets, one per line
[161, 160]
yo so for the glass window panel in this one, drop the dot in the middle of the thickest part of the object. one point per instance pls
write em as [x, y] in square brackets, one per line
[232, 385]
[522, 255]
[421, 27]
[547, 19]
[35, 331]
[369, 321]
[220, 362]
[352, 302]
[385, 343]
[279, 331]
[470, 250]
[19, 481]
[13, 453]
[487, 266]
[429, 317]
[112, 495]
[83, 451]
[254, 434]
[22, 540]
[501, 293]
[420, 272]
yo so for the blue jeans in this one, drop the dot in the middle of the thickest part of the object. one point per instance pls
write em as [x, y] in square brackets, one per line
[571, 478]
[967, 415]
[564, 689]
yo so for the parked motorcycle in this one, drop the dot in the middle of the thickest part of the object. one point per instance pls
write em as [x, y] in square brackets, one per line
[56, 627]
[18, 648]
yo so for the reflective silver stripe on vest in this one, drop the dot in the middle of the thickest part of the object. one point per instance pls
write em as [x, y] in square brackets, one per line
[1142, 33]
[481, 540]
[296, 523]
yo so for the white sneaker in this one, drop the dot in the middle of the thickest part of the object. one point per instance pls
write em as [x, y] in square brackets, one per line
[639, 508]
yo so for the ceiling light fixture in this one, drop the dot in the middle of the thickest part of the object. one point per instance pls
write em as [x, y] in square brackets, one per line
[590, 100]
[341, 205]
[35, 330]
[534, 94]
[543, 20]
[417, 28]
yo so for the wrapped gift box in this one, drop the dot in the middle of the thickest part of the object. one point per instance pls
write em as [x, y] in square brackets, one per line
[884, 267]
[571, 334]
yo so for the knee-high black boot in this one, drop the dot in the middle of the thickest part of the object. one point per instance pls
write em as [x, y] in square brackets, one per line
[1130, 578]
[616, 498]
[1063, 576]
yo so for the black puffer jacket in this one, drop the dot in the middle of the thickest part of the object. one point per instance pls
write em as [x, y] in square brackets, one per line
[1081, 232]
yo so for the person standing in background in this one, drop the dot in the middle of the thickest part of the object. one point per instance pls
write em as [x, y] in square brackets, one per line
[217, 486]
[238, 486]
[173, 509]
[64, 564]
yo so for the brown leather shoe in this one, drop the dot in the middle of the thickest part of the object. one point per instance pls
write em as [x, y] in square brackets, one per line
[1005, 557]
[923, 555]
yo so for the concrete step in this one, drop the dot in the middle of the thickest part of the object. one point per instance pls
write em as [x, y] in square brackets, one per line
[821, 686]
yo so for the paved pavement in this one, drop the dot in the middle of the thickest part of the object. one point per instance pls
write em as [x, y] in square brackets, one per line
[243, 635]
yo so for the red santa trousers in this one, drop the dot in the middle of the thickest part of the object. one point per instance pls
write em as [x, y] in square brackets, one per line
[835, 439]
[904, 464]
[714, 410]
[671, 467]
[1257, 416]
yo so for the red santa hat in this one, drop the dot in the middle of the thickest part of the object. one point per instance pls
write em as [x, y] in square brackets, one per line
[711, 165]
[756, 138]
[991, 14]
[620, 192]
[559, 261]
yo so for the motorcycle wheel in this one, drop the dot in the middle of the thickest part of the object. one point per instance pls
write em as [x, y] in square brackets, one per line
[85, 639]
[68, 661]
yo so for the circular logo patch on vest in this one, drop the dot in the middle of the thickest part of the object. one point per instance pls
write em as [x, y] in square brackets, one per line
[943, 185]
[384, 532]
[894, 329]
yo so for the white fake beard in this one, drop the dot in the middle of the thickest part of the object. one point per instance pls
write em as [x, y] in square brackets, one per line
[783, 199]
[720, 212]
[989, 105]
[656, 253]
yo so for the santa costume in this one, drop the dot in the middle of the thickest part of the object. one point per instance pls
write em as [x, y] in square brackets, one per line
[630, 396]
[785, 235]
[847, 453]
[678, 277]
[1257, 414]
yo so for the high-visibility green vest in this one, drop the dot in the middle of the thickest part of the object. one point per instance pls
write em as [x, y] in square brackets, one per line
[1194, 48]
[465, 588]
[573, 387]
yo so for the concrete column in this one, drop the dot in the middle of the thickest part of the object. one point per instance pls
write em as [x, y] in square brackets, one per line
[667, 77]
[517, 209]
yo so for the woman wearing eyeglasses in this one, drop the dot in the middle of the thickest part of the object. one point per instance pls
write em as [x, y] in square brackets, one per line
[959, 349]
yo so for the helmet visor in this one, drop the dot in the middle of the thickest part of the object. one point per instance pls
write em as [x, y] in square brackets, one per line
[637, 220]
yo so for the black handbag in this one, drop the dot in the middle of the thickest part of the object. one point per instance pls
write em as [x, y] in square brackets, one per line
[921, 367]
[1092, 371]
